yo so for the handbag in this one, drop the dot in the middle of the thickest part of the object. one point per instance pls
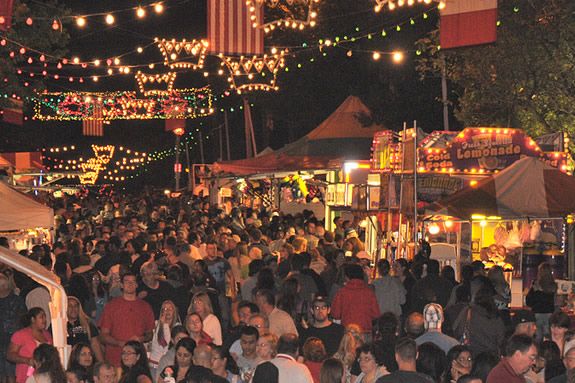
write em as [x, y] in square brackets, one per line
[461, 326]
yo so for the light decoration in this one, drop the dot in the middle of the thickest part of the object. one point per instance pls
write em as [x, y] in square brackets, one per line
[393, 4]
[91, 168]
[124, 105]
[255, 73]
[294, 14]
[172, 49]
[167, 78]
[113, 163]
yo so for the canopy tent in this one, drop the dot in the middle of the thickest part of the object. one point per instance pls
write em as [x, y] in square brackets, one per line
[340, 137]
[528, 188]
[58, 303]
[20, 212]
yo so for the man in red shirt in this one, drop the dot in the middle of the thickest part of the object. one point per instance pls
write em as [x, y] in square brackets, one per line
[520, 356]
[355, 302]
[125, 318]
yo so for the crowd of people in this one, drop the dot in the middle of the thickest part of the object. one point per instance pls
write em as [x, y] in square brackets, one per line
[164, 290]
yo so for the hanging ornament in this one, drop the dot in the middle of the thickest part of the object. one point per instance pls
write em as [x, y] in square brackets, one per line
[255, 73]
[287, 14]
[183, 54]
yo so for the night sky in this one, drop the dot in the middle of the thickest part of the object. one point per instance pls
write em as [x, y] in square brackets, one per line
[309, 92]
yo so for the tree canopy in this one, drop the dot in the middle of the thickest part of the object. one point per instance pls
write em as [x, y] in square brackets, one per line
[525, 80]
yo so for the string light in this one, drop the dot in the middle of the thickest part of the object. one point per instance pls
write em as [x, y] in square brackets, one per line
[159, 8]
[393, 4]
[140, 12]
[110, 19]
[81, 21]
[397, 57]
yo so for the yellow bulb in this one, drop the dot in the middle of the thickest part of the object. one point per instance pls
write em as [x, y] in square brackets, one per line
[159, 8]
[81, 21]
[76, 60]
[140, 12]
[110, 19]
[116, 61]
[397, 57]
[441, 5]
[376, 55]
[140, 49]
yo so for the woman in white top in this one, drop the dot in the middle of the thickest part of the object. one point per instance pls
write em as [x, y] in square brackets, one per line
[162, 335]
[202, 306]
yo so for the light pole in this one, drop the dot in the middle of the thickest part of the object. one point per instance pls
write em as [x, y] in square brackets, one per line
[178, 132]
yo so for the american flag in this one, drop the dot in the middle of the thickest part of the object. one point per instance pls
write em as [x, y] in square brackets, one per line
[230, 30]
[94, 126]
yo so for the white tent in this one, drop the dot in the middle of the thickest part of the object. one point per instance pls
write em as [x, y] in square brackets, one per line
[20, 212]
[58, 301]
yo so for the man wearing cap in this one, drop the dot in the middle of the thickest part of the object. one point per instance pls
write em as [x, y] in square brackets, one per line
[525, 323]
[433, 319]
[322, 327]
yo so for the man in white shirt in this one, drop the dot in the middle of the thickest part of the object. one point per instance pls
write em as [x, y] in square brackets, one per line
[290, 370]
[280, 321]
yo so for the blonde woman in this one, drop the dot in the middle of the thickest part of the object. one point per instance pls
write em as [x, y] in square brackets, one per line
[81, 329]
[240, 262]
[351, 341]
[162, 334]
[266, 347]
[202, 306]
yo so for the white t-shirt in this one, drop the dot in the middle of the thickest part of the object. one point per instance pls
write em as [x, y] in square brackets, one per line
[213, 328]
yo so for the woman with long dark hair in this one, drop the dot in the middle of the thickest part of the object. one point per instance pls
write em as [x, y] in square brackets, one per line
[25, 341]
[180, 370]
[541, 298]
[134, 364]
[82, 359]
[290, 300]
[48, 367]
[480, 326]
[459, 363]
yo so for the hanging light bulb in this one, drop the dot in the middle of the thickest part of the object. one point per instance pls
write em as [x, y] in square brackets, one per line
[397, 57]
[29, 21]
[55, 25]
[376, 56]
[81, 21]
[110, 19]
[140, 12]
[159, 8]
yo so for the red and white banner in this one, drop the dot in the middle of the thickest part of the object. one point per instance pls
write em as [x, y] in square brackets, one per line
[6, 8]
[95, 126]
[13, 114]
[468, 22]
[230, 29]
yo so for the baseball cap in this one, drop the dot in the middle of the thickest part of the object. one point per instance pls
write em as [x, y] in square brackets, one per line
[522, 316]
[433, 316]
[320, 299]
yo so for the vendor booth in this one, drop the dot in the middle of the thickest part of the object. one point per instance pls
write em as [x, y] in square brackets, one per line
[316, 172]
[58, 300]
[516, 218]
[23, 221]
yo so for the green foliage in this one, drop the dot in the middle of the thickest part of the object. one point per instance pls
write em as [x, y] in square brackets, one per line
[525, 80]
[38, 37]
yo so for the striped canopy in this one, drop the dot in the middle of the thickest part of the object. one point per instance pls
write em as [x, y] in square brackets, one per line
[528, 188]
